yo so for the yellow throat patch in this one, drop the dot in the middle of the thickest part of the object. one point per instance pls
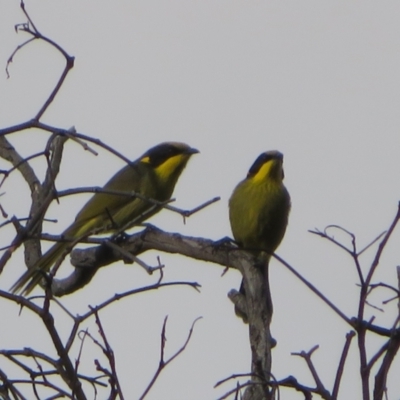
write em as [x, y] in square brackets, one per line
[263, 172]
[167, 168]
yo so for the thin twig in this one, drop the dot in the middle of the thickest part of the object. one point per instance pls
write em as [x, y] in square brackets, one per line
[340, 369]
[131, 257]
[314, 289]
[321, 390]
[109, 353]
[163, 363]
[94, 309]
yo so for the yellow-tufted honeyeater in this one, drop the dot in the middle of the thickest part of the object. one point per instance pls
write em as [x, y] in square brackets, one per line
[153, 176]
[259, 209]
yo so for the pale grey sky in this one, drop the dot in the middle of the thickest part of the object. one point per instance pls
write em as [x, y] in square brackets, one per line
[317, 80]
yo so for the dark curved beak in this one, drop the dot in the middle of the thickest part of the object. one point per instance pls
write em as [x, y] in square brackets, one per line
[192, 151]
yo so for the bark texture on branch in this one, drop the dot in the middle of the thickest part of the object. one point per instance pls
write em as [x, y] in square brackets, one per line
[259, 310]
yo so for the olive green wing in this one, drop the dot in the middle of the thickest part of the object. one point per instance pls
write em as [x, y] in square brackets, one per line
[104, 211]
[97, 214]
[273, 219]
[126, 180]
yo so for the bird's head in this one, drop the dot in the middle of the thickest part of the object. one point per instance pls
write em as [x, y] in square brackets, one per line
[168, 159]
[268, 165]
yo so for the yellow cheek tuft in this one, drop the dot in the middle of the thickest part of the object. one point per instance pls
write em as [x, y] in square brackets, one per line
[263, 172]
[167, 168]
[145, 160]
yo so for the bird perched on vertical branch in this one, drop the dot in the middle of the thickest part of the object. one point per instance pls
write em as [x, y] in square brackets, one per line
[259, 209]
[153, 176]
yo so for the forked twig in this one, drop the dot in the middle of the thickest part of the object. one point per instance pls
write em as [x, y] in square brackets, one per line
[163, 363]
[320, 388]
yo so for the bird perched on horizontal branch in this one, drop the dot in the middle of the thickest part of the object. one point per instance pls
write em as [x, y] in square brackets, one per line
[259, 209]
[152, 176]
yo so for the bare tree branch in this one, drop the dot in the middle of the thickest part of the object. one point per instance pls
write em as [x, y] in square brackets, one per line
[320, 389]
[163, 363]
[340, 369]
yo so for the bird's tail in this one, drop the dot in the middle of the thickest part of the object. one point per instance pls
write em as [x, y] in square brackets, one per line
[25, 284]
